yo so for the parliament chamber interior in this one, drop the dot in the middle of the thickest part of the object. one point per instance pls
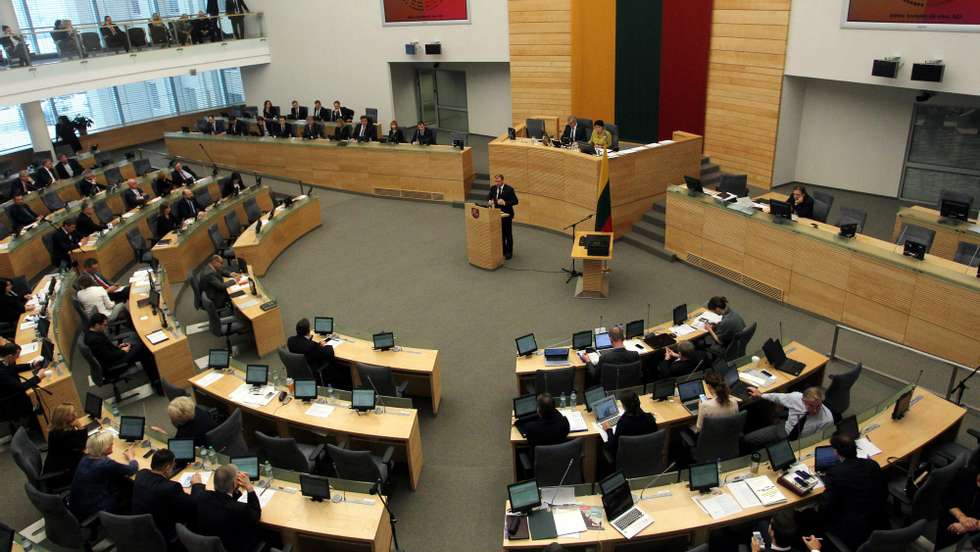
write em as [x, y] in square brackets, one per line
[537, 275]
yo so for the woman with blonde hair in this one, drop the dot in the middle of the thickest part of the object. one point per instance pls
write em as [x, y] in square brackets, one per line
[66, 445]
[191, 421]
[101, 483]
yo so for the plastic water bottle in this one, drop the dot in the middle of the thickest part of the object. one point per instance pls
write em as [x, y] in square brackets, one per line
[267, 473]
[572, 401]
[561, 401]
[212, 459]
[329, 393]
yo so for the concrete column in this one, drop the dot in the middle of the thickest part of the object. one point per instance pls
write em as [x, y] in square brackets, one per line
[36, 125]
[7, 14]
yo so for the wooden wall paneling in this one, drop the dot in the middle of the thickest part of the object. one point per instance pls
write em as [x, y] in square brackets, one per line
[875, 317]
[815, 296]
[820, 262]
[769, 244]
[685, 215]
[878, 282]
[927, 336]
[947, 306]
[721, 253]
[773, 274]
[593, 69]
[540, 34]
[680, 242]
[141, 133]
[727, 229]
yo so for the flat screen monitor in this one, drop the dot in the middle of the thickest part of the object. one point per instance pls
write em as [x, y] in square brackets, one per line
[603, 341]
[952, 209]
[703, 477]
[525, 405]
[43, 325]
[634, 329]
[663, 390]
[314, 486]
[690, 390]
[154, 298]
[362, 399]
[824, 458]
[781, 455]
[849, 426]
[594, 395]
[131, 428]
[183, 449]
[305, 389]
[249, 465]
[219, 359]
[902, 405]
[582, 340]
[693, 185]
[257, 374]
[679, 315]
[323, 325]
[914, 249]
[93, 406]
[383, 340]
[780, 209]
[524, 496]
[526, 344]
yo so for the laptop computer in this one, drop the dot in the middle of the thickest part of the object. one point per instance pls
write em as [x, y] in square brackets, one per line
[617, 501]
[690, 393]
[659, 341]
[603, 341]
[556, 356]
[663, 389]
[777, 358]
[606, 411]
[582, 341]
[525, 410]
[824, 458]
[93, 407]
[729, 372]
[595, 394]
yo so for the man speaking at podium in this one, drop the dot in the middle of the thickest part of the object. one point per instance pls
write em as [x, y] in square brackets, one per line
[503, 197]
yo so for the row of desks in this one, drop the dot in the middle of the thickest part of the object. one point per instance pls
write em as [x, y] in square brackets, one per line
[948, 236]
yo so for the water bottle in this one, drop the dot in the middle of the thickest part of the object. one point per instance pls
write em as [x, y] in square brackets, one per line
[267, 473]
[561, 401]
[572, 402]
[212, 458]
[329, 393]
[756, 460]
[291, 386]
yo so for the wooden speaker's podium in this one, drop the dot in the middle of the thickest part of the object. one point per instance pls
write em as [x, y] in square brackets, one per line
[484, 243]
[594, 282]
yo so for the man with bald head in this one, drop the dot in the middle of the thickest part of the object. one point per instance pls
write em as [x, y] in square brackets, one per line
[133, 197]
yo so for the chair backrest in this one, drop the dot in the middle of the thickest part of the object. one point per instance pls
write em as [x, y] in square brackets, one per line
[48, 241]
[95, 367]
[203, 197]
[372, 113]
[535, 128]
[356, 465]
[20, 285]
[617, 376]
[133, 533]
[217, 240]
[233, 224]
[136, 241]
[152, 221]
[198, 543]
[917, 233]
[81, 311]
[585, 123]
[113, 176]
[821, 210]
[103, 211]
[838, 396]
[719, 437]
[851, 215]
[555, 381]
[220, 126]
[137, 37]
[614, 133]
[296, 366]
[551, 461]
[91, 42]
[171, 391]
[60, 525]
[823, 197]
[761, 438]
[895, 540]
[737, 184]
[380, 376]
[214, 318]
[195, 280]
[742, 340]
[252, 210]
[142, 166]
[642, 455]
[26, 456]
[227, 437]
[52, 201]
[282, 452]
[967, 253]
[927, 502]
[956, 195]
[103, 158]
[159, 35]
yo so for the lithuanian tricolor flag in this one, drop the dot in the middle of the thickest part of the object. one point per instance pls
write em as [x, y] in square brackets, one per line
[603, 206]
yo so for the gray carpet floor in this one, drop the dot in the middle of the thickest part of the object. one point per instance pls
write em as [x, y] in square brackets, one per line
[379, 264]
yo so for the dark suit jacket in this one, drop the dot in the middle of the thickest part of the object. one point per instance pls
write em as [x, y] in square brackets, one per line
[341, 133]
[236, 524]
[166, 224]
[854, 501]
[282, 131]
[166, 501]
[262, 130]
[804, 209]
[187, 208]
[311, 133]
[65, 449]
[21, 215]
[197, 428]
[44, 178]
[162, 186]
[17, 186]
[89, 189]
[85, 225]
[228, 188]
[11, 307]
[14, 402]
[683, 367]
[210, 128]
[546, 431]
[424, 137]
[507, 194]
[322, 115]
[76, 169]
[579, 134]
[98, 485]
[179, 180]
[237, 129]
[103, 349]
[316, 356]
[132, 200]
[235, 6]
[370, 133]
[212, 7]
[62, 244]
[213, 285]
[643, 424]
[344, 113]
[396, 136]
[298, 113]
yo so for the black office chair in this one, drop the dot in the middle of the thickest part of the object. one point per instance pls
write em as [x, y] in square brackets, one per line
[956, 195]
[894, 540]
[372, 114]
[28, 458]
[171, 391]
[233, 224]
[719, 438]
[616, 376]
[822, 203]
[4, 231]
[113, 375]
[194, 542]
[220, 244]
[741, 342]
[838, 395]
[288, 454]
[642, 455]
[103, 159]
[141, 250]
[228, 436]
[224, 326]
[614, 134]
[737, 184]
[926, 502]
[851, 215]
[535, 128]
[113, 177]
[53, 202]
[762, 438]
[380, 378]
[916, 233]
[133, 533]
[551, 461]
[142, 167]
[967, 254]
[92, 43]
[159, 36]
[554, 381]
[203, 197]
[48, 241]
[60, 525]
[252, 211]
[103, 211]
[137, 37]
[586, 124]
[296, 366]
[361, 465]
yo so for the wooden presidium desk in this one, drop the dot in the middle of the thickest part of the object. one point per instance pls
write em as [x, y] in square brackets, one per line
[172, 355]
[436, 173]
[266, 323]
[287, 225]
[948, 236]
[931, 305]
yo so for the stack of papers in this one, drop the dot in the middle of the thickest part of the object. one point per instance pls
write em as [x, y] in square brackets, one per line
[185, 479]
[717, 505]
[575, 420]
[244, 395]
[335, 342]
[765, 490]
[558, 496]
[209, 379]
[743, 494]
[866, 449]
[568, 521]
[682, 330]
[265, 495]
[319, 410]
[756, 378]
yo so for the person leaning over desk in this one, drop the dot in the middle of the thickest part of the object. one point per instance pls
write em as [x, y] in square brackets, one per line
[101, 483]
[233, 185]
[722, 333]
[422, 135]
[15, 406]
[155, 493]
[190, 420]
[618, 354]
[85, 222]
[600, 136]
[549, 427]
[89, 186]
[117, 293]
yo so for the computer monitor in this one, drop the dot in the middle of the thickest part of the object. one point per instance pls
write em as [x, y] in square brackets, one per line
[43, 325]
[526, 345]
[694, 186]
[848, 230]
[606, 408]
[914, 249]
[594, 395]
[690, 390]
[582, 340]
[305, 389]
[314, 486]
[257, 374]
[663, 389]
[586, 148]
[249, 465]
[154, 299]
[383, 341]
[903, 404]
[524, 496]
[703, 477]
[780, 210]
[679, 316]
[47, 351]
[183, 449]
[362, 400]
[781, 455]
[131, 428]
[219, 359]
[634, 329]
[824, 458]
[603, 341]
[93, 406]
[954, 210]
[525, 405]
[849, 426]
[322, 325]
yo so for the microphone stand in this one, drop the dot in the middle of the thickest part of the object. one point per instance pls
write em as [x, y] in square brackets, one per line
[961, 387]
[214, 166]
[392, 520]
[572, 273]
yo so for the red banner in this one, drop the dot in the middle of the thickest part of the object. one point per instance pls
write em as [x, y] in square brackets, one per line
[420, 11]
[915, 12]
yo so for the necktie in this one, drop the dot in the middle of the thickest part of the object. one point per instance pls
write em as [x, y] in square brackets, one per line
[362, 131]
[798, 428]
[69, 170]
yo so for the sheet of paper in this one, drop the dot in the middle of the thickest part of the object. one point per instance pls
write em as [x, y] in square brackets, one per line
[765, 490]
[249, 303]
[743, 494]
[718, 506]
[319, 410]
[682, 330]
[335, 342]
[158, 336]
[244, 395]
[575, 420]
[866, 447]
[709, 316]
[602, 432]
[28, 325]
[185, 479]
[265, 495]
[558, 496]
[568, 521]
[209, 379]
[29, 348]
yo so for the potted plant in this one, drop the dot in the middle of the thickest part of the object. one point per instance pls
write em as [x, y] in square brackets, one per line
[81, 124]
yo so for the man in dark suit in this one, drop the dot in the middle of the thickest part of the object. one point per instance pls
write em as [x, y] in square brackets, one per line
[21, 213]
[342, 130]
[261, 129]
[781, 534]
[219, 513]
[854, 502]
[68, 168]
[214, 23]
[237, 21]
[319, 113]
[87, 222]
[297, 112]
[156, 494]
[503, 197]
[617, 355]
[422, 135]
[319, 356]
[574, 132]
[339, 112]
[236, 127]
[365, 131]
[187, 206]
[311, 130]
[283, 128]
[15, 46]
[23, 185]
[117, 293]
[682, 359]
[45, 175]
[182, 176]
[109, 354]
[213, 281]
[549, 427]
[15, 405]
[210, 126]
[133, 197]
[63, 242]
[89, 186]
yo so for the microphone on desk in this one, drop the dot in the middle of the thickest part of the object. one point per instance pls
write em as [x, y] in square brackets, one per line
[781, 333]
[562, 480]
[654, 478]
[377, 395]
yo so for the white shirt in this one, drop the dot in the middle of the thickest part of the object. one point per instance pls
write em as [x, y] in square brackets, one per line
[186, 175]
[794, 405]
[67, 167]
[95, 298]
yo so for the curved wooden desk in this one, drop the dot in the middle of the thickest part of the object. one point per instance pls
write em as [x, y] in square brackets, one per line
[397, 426]
[435, 173]
[173, 356]
[266, 324]
[930, 418]
[558, 186]
[948, 236]
[289, 225]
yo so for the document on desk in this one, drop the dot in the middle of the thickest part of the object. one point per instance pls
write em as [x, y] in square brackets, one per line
[708, 316]
[265, 495]
[866, 449]
[568, 521]
[319, 410]
[244, 395]
[682, 330]
[209, 379]
[29, 348]
[743, 494]
[28, 325]
[156, 337]
[756, 378]
[335, 342]
[575, 420]
[765, 490]
[249, 303]
[185, 479]
[558, 496]
[717, 505]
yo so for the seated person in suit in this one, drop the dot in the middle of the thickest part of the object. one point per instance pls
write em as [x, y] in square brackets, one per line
[21, 213]
[213, 281]
[95, 299]
[63, 242]
[182, 176]
[267, 110]
[800, 202]
[88, 187]
[13, 305]
[338, 113]
[162, 185]
[960, 514]
[23, 185]
[168, 222]
[101, 483]
[284, 129]
[310, 130]
[108, 354]
[634, 421]
[66, 444]
[296, 112]
[549, 427]
[618, 354]
[16, 406]
[210, 126]
[601, 138]
[854, 503]
[319, 113]
[395, 134]
[68, 168]
[233, 185]
[721, 402]
[319, 356]
[782, 534]
[573, 132]
[220, 514]
[87, 221]
[806, 412]
[119, 294]
[45, 175]
[365, 130]
[15, 46]
[114, 38]
[681, 359]
[236, 127]
[133, 197]
[187, 206]
[422, 135]
[342, 130]
[155, 493]
[731, 323]
[191, 420]
[261, 129]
